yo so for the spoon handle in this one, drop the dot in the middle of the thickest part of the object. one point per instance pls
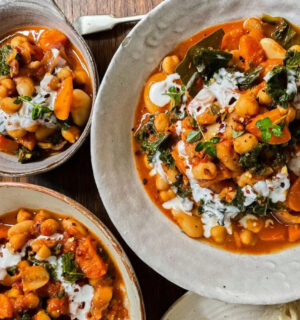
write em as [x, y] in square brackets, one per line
[97, 23]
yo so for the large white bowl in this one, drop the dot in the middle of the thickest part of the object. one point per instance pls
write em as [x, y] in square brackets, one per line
[16, 195]
[193, 265]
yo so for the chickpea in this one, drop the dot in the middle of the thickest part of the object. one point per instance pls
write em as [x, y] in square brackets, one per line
[245, 143]
[252, 24]
[72, 134]
[3, 92]
[171, 174]
[57, 307]
[206, 118]
[263, 97]
[18, 40]
[9, 85]
[205, 171]
[81, 107]
[161, 122]
[27, 301]
[17, 241]
[21, 227]
[161, 183]
[255, 225]
[218, 233]
[227, 155]
[248, 238]
[246, 105]
[80, 77]
[190, 225]
[7, 105]
[167, 195]
[41, 216]
[54, 83]
[74, 228]
[44, 252]
[169, 64]
[291, 114]
[42, 315]
[296, 47]
[13, 293]
[23, 215]
[49, 227]
[64, 73]
[25, 86]
[17, 133]
[34, 65]
[22, 265]
[42, 133]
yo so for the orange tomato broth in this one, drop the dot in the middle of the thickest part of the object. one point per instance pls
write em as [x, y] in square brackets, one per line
[74, 56]
[113, 275]
[277, 231]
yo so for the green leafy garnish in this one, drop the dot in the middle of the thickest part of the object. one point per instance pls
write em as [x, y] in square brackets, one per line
[152, 145]
[39, 109]
[250, 77]
[187, 70]
[50, 268]
[292, 60]
[71, 271]
[180, 188]
[208, 61]
[281, 85]
[25, 155]
[236, 134]
[56, 250]
[4, 52]
[26, 316]
[267, 128]
[12, 270]
[209, 147]
[283, 31]
[167, 158]
[194, 136]
[175, 94]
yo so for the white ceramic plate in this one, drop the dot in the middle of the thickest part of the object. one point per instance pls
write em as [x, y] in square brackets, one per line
[194, 307]
[17, 195]
[194, 265]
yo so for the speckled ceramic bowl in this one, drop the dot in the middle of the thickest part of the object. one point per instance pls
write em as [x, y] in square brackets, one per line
[18, 13]
[193, 265]
[17, 195]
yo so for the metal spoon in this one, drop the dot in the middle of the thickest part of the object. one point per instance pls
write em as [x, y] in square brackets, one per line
[92, 24]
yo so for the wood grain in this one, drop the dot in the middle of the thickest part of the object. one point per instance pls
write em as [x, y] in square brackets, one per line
[75, 178]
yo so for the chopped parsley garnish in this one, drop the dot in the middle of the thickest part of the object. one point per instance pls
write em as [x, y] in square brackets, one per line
[175, 94]
[71, 271]
[250, 77]
[208, 61]
[209, 147]
[194, 136]
[39, 109]
[267, 128]
[4, 52]
[12, 270]
[281, 85]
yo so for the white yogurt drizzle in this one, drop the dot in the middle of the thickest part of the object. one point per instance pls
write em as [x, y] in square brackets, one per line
[158, 90]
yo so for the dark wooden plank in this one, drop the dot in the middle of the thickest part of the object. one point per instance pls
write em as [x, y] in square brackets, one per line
[75, 178]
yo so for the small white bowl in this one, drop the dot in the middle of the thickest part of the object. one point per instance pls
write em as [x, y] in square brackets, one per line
[16, 195]
[14, 14]
[191, 264]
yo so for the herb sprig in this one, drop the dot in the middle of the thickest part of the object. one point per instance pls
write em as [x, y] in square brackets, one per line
[209, 147]
[39, 109]
[267, 128]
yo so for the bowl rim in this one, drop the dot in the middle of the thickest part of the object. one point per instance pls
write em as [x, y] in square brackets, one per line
[266, 269]
[99, 225]
[66, 154]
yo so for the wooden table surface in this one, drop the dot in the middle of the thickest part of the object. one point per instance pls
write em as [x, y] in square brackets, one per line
[75, 178]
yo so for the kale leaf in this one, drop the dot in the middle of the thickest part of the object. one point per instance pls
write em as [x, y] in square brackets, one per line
[284, 33]
[281, 85]
[252, 160]
[12, 270]
[4, 52]
[180, 188]
[250, 77]
[71, 271]
[208, 61]
[292, 60]
[167, 158]
[25, 155]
